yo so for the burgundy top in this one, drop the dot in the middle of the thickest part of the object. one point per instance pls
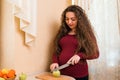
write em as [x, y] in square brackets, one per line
[68, 44]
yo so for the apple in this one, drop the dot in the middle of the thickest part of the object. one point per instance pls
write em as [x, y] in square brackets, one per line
[2, 78]
[56, 73]
[22, 76]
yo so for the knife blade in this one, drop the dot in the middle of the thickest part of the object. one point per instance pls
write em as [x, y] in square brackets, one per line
[62, 66]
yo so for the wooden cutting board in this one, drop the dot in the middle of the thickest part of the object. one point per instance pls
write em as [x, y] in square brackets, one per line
[49, 76]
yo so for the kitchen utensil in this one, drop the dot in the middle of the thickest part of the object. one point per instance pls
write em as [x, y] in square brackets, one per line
[62, 66]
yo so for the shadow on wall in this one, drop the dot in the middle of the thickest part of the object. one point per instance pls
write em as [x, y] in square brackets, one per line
[0, 32]
[20, 32]
[53, 31]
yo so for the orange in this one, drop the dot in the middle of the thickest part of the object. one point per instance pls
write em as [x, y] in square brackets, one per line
[1, 73]
[5, 76]
[11, 73]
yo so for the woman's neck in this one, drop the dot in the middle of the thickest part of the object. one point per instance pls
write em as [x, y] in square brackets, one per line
[72, 32]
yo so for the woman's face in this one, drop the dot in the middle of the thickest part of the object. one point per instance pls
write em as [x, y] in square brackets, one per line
[71, 20]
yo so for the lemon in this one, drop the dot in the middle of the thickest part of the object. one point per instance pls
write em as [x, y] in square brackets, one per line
[5, 71]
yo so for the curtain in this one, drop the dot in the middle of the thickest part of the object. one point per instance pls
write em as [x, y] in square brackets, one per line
[26, 11]
[85, 4]
[118, 7]
[105, 18]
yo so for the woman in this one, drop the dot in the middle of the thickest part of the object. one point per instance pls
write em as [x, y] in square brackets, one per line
[75, 43]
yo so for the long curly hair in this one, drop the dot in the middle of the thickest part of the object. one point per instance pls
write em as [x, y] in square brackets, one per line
[84, 33]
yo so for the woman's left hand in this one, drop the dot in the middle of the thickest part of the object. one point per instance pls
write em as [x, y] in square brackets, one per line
[74, 59]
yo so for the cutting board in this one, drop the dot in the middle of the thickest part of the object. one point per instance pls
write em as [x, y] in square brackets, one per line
[49, 76]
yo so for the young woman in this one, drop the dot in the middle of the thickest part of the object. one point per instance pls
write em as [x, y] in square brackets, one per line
[75, 43]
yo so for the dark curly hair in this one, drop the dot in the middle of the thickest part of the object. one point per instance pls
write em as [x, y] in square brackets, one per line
[84, 33]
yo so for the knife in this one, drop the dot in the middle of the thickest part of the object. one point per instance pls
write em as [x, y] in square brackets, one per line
[62, 66]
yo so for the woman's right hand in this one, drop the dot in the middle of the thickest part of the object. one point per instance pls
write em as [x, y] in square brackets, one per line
[53, 66]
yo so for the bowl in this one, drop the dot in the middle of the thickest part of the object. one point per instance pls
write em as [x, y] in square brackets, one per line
[12, 78]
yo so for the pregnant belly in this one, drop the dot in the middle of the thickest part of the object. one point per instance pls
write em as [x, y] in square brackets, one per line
[65, 56]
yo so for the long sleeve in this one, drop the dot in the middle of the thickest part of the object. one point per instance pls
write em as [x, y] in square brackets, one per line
[84, 56]
[68, 45]
[55, 58]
